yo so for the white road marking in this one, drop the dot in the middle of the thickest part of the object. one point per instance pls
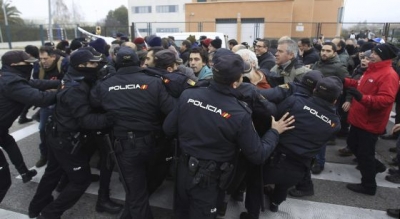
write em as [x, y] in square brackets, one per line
[26, 131]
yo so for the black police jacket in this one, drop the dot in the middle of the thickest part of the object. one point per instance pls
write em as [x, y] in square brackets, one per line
[281, 92]
[175, 82]
[316, 122]
[140, 101]
[16, 92]
[73, 112]
[211, 123]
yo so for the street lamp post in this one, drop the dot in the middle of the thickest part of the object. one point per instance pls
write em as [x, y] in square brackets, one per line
[7, 27]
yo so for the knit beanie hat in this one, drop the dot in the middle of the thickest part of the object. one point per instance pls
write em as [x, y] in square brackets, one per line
[386, 51]
[99, 45]
[153, 41]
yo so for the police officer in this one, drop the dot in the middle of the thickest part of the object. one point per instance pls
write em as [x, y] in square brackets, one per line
[66, 137]
[208, 147]
[16, 90]
[140, 101]
[292, 158]
[175, 82]
[277, 94]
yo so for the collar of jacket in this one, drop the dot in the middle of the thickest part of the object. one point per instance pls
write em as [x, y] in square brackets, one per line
[325, 104]
[129, 70]
[378, 65]
[225, 89]
[74, 74]
[10, 69]
[332, 60]
[286, 70]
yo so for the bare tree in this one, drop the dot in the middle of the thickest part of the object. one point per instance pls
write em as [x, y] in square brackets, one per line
[77, 15]
[60, 13]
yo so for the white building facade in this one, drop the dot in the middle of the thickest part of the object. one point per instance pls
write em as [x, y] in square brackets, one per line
[155, 16]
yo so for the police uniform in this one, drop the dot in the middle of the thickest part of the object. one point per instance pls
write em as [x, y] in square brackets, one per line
[209, 147]
[16, 90]
[65, 137]
[141, 102]
[315, 122]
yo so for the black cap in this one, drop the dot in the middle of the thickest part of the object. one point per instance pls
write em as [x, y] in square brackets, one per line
[82, 56]
[92, 50]
[386, 51]
[126, 56]
[16, 56]
[228, 68]
[216, 43]
[311, 78]
[329, 88]
[164, 58]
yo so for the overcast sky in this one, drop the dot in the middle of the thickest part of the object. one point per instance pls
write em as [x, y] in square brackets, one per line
[93, 10]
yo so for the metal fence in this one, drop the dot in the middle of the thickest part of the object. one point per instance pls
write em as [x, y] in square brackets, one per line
[244, 31]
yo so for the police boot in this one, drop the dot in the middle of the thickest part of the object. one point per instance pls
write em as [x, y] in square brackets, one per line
[104, 204]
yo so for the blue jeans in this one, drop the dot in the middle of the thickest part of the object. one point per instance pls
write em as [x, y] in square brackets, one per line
[45, 112]
[320, 158]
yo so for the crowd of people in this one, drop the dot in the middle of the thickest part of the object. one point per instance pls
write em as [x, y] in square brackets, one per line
[220, 122]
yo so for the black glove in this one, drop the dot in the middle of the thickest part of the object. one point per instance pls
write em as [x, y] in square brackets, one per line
[111, 117]
[355, 93]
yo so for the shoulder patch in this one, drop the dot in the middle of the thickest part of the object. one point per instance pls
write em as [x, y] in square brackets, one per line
[284, 86]
[191, 82]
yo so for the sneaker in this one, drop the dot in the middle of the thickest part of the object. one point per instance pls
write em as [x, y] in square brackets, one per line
[41, 162]
[26, 177]
[345, 152]
[395, 178]
[393, 213]
[273, 207]
[23, 120]
[393, 149]
[317, 168]
[299, 193]
[393, 171]
[360, 189]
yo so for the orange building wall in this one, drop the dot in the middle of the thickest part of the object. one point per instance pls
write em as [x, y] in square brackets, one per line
[281, 16]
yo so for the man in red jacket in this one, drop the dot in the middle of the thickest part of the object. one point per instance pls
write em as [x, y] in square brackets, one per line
[373, 96]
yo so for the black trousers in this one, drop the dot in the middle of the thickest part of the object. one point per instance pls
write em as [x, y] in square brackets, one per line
[195, 201]
[283, 175]
[7, 142]
[133, 156]
[106, 163]
[60, 161]
[362, 144]
[158, 165]
[5, 176]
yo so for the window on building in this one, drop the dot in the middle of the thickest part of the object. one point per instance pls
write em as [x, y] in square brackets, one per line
[201, 0]
[143, 30]
[167, 30]
[141, 9]
[167, 8]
